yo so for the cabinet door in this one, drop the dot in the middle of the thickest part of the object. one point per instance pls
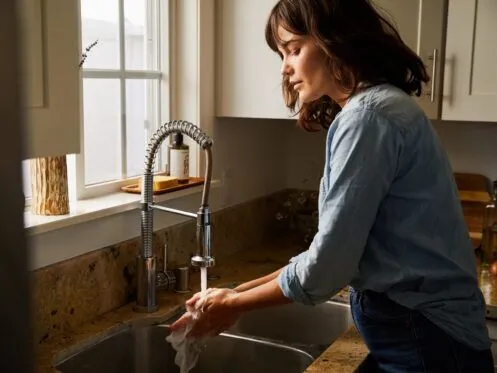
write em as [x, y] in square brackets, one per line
[32, 52]
[50, 52]
[421, 25]
[248, 72]
[470, 83]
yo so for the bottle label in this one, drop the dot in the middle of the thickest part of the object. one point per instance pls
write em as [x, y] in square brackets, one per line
[179, 163]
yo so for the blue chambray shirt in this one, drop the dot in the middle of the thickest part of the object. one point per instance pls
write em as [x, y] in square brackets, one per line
[390, 219]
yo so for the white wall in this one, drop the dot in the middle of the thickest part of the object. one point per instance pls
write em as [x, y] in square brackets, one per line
[304, 160]
[472, 147]
[249, 157]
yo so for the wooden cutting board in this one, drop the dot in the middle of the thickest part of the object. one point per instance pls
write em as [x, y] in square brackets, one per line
[193, 181]
[473, 187]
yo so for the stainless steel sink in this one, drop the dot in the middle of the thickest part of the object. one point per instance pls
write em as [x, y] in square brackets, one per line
[310, 328]
[145, 350]
[280, 339]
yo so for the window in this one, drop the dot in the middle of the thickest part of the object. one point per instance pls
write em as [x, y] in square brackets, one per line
[125, 90]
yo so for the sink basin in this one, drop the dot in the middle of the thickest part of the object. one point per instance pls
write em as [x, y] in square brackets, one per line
[283, 339]
[310, 328]
[144, 350]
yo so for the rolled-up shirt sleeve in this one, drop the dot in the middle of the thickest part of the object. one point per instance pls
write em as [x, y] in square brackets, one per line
[298, 257]
[362, 163]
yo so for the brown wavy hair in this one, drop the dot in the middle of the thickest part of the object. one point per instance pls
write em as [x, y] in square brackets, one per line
[359, 43]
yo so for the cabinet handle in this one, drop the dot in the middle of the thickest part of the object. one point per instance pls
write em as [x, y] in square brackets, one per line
[434, 58]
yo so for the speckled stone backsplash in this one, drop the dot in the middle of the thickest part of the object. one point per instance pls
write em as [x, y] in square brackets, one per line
[298, 212]
[75, 291]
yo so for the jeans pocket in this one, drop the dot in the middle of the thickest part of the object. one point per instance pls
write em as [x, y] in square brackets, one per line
[379, 308]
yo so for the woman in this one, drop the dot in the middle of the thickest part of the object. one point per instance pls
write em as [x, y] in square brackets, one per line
[390, 221]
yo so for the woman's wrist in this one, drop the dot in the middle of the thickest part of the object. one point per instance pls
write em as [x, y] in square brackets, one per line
[239, 288]
[235, 301]
[268, 294]
[241, 301]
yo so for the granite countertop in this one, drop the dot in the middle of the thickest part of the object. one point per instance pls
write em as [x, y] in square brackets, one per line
[343, 356]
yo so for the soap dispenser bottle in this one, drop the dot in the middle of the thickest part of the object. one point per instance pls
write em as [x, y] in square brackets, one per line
[179, 158]
[489, 239]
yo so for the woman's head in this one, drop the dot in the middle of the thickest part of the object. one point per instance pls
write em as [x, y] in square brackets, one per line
[328, 47]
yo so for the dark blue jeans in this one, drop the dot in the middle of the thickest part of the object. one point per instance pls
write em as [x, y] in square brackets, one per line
[402, 340]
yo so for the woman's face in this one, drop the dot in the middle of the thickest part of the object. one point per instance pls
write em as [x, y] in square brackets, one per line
[305, 65]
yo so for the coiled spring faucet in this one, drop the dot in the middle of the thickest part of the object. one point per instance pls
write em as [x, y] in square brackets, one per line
[146, 283]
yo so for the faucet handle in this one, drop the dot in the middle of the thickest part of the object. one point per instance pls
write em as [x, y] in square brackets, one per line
[165, 280]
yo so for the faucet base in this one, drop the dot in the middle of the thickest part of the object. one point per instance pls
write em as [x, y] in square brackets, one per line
[146, 289]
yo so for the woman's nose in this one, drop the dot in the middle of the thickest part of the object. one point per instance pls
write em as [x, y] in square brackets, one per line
[286, 69]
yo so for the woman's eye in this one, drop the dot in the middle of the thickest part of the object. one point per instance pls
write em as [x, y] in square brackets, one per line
[295, 52]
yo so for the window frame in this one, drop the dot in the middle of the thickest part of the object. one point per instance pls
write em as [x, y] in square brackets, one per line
[76, 162]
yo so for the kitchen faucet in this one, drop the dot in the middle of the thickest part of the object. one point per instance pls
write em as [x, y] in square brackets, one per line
[146, 260]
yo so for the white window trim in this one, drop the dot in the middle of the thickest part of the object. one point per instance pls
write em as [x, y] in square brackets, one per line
[28, 201]
[193, 46]
[76, 163]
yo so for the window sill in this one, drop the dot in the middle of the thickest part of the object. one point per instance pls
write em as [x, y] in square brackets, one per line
[95, 208]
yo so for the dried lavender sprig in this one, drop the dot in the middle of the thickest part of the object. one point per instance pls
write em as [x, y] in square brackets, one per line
[85, 54]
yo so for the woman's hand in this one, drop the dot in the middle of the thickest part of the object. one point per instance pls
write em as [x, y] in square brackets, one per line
[215, 313]
[220, 308]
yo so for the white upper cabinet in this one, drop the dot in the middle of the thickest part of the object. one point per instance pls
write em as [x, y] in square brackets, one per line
[248, 73]
[470, 77]
[248, 77]
[50, 53]
[421, 26]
